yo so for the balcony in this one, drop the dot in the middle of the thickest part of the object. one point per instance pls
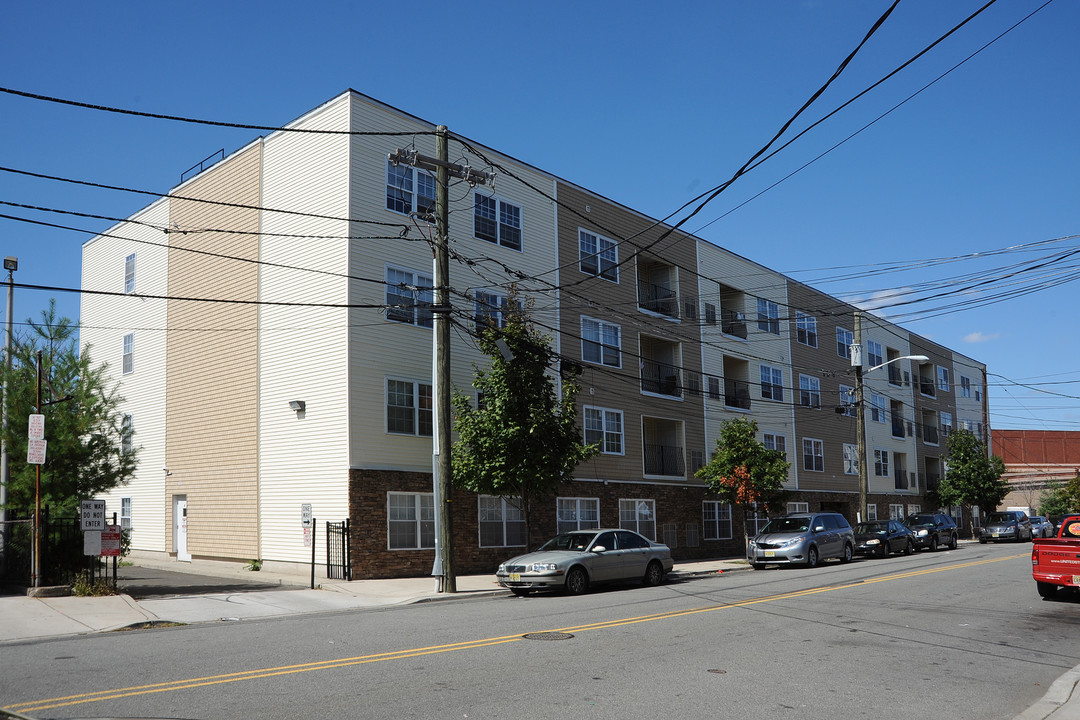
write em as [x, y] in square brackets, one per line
[664, 460]
[658, 299]
[895, 376]
[736, 394]
[897, 427]
[733, 323]
[930, 434]
[927, 387]
[661, 378]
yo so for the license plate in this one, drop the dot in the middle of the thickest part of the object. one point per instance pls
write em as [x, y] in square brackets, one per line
[996, 534]
[770, 553]
[1076, 579]
[515, 577]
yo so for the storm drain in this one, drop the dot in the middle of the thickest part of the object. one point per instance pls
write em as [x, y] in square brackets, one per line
[548, 636]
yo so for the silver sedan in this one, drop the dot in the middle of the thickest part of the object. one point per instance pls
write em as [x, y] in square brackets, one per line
[575, 560]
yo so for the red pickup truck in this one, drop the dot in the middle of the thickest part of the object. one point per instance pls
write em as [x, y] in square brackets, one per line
[1055, 562]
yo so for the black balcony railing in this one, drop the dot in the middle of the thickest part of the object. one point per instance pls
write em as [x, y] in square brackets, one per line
[898, 428]
[932, 481]
[658, 299]
[926, 387]
[930, 434]
[737, 394]
[895, 377]
[733, 323]
[664, 460]
[660, 378]
[901, 480]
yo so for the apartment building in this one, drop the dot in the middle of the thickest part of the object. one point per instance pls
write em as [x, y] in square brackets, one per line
[272, 338]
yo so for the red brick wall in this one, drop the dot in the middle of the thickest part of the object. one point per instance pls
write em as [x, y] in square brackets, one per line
[1037, 447]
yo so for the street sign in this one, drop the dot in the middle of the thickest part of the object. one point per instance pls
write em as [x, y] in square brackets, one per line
[305, 515]
[110, 541]
[35, 451]
[37, 427]
[92, 515]
[92, 543]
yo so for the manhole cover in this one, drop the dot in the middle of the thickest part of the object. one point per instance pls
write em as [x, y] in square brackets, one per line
[548, 636]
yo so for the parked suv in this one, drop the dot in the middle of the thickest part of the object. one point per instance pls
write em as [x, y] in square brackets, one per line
[805, 538]
[932, 530]
[1009, 525]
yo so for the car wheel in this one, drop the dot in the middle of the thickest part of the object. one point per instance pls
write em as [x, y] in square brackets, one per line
[577, 581]
[982, 541]
[757, 566]
[654, 574]
[1046, 590]
[520, 592]
[952, 542]
[884, 551]
[933, 544]
[910, 549]
[811, 557]
[849, 553]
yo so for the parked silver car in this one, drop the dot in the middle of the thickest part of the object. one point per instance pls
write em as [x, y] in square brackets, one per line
[802, 539]
[1009, 525]
[575, 560]
[1041, 527]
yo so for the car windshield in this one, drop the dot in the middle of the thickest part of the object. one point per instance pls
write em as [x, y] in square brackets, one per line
[569, 541]
[787, 525]
[871, 528]
[1001, 518]
[1038, 518]
[920, 520]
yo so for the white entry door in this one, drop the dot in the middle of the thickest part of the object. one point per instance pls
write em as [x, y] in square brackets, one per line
[180, 528]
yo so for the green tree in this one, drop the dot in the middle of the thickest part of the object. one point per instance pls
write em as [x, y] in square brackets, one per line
[743, 472]
[1060, 498]
[87, 452]
[520, 441]
[972, 477]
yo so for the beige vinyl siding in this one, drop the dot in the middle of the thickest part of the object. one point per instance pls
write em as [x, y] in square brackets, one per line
[211, 434]
[303, 457]
[104, 322]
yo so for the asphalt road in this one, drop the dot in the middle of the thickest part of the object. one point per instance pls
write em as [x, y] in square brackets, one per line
[959, 634]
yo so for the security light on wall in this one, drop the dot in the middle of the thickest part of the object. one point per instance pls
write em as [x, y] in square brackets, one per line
[298, 405]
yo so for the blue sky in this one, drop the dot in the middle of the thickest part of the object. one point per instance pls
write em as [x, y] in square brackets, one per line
[648, 104]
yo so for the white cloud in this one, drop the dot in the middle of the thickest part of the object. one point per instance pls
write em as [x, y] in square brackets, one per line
[978, 337]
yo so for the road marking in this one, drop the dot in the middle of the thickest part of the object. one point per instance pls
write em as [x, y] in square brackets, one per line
[115, 694]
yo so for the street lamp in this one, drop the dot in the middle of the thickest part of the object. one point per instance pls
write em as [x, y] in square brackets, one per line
[860, 412]
[11, 264]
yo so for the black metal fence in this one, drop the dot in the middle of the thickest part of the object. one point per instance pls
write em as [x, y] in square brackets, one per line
[62, 558]
[338, 566]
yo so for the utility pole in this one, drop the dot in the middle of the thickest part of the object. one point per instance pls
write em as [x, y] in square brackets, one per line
[37, 493]
[860, 417]
[11, 264]
[441, 412]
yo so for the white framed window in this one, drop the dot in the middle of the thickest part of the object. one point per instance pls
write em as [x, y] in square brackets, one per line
[946, 424]
[129, 273]
[127, 434]
[577, 513]
[408, 408]
[598, 255]
[125, 515]
[775, 442]
[605, 428]
[965, 386]
[772, 383]
[639, 516]
[871, 512]
[502, 524]
[813, 455]
[410, 521]
[716, 519]
[768, 316]
[896, 512]
[944, 379]
[844, 339]
[491, 309]
[878, 408]
[851, 459]
[881, 463]
[755, 520]
[873, 353]
[798, 507]
[129, 354]
[847, 400]
[914, 509]
[806, 328]
[409, 189]
[976, 516]
[409, 297]
[710, 314]
[714, 389]
[809, 391]
[601, 342]
[497, 221]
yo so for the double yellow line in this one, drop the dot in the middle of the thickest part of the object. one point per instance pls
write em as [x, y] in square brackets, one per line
[50, 703]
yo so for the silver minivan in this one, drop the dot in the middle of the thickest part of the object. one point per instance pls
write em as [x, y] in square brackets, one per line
[804, 538]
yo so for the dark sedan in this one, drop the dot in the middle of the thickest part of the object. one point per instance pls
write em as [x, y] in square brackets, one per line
[932, 530]
[878, 538]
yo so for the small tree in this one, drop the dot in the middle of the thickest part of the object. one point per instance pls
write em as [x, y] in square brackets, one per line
[1060, 498]
[520, 441]
[90, 449]
[744, 472]
[972, 477]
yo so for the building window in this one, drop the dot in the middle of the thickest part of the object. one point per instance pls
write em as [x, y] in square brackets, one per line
[881, 463]
[772, 383]
[502, 524]
[598, 255]
[755, 520]
[408, 408]
[710, 314]
[577, 514]
[873, 353]
[409, 190]
[878, 403]
[129, 354]
[896, 512]
[944, 380]
[408, 297]
[491, 309]
[965, 387]
[798, 507]
[851, 459]
[806, 329]
[871, 512]
[601, 342]
[497, 221]
[716, 519]
[914, 509]
[847, 400]
[127, 434]
[714, 388]
[809, 391]
[125, 515]
[129, 273]
[946, 424]
[813, 453]
[768, 316]
[844, 339]
[639, 516]
[410, 519]
[604, 428]
[775, 442]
